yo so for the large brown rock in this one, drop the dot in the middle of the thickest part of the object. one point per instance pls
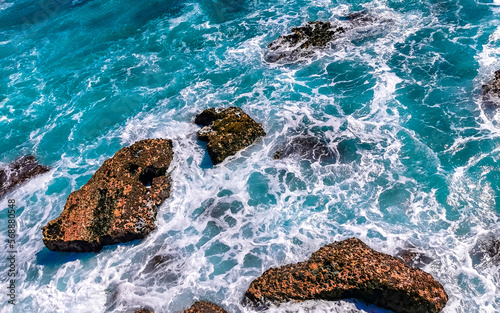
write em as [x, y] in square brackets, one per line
[227, 131]
[204, 307]
[351, 269]
[18, 172]
[118, 203]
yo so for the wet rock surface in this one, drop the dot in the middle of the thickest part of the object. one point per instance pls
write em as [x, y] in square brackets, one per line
[205, 307]
[486, 251]
[144, 311]
[491, 91]
[118, 203]
[413, 257]
[350, 269]
[311, 35]
[227, 131]
[307, 148]
[19, 172]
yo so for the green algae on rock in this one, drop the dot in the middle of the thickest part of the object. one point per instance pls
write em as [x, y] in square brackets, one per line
[118, 203]
[227, 131]
[351, 269]
[204, 307]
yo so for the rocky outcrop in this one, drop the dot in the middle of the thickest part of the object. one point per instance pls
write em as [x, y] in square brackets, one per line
[118, 203]
[205, 307]
[351, 269]
[486, 250]
[227, 131]
[306, 148]
[301, 40]
[18, 172]
[144, 311]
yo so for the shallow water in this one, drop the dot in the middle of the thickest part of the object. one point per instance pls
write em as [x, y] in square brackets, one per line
[398, 102]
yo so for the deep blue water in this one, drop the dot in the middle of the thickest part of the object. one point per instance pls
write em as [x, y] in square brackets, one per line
[418, 154]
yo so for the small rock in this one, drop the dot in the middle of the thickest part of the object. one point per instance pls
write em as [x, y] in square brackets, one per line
[227, 131]
[301, 40]
[491, 91]
[118, 203]
[307, 148]
[18, 172]
[413, 257]
[351, 269]
[144, 311]
[205, 307]
[486, 251]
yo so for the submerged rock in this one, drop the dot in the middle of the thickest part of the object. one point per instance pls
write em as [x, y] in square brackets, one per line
[118, 203]
[306, 147]
[351, 269]
[413, 257]
[486, 251]
[18, 172]
[301, 40]
[227, 131]
[205, 307]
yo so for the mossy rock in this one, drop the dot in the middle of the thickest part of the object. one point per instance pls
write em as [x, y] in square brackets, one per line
[118, 204]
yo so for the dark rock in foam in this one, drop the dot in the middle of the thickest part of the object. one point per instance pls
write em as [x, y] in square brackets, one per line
[18, 172]
[118, 203]
[227, 131]
[308, 148]
[491, 91]
[204, 307]
[351, 269]
[302, 39]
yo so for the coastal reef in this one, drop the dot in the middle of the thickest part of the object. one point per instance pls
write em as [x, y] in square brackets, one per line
[18, 172]
[118, 204]
[350, 269]
[227, 131]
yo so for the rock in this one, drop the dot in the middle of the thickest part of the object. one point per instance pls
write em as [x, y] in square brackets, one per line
[18, 172]
[486, 251]
[491, 91]
[306, 147]
[205, 307]
[227, 131]
[411, 256]
[144, 311]
[301, 40]
[118, 203]
[361, 18]
[351, 269]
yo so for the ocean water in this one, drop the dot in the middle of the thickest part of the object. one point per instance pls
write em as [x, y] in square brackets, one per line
[398, 101]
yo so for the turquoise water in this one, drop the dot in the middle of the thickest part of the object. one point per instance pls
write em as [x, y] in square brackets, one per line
[398, 101]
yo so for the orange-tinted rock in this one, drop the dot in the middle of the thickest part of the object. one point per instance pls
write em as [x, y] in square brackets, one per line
[351, 269]
[205, 307]
[144, 311]
[18, 172]
[227, 131]
[118, 203]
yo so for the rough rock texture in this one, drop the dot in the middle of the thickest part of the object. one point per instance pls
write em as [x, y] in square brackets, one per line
[486, 251]
[118, 203]
[144, 311]
[205, 307]
[306, 147]
[18, 172]
[227, 131]
[311, 35]
[491, 91]
[351, 269]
